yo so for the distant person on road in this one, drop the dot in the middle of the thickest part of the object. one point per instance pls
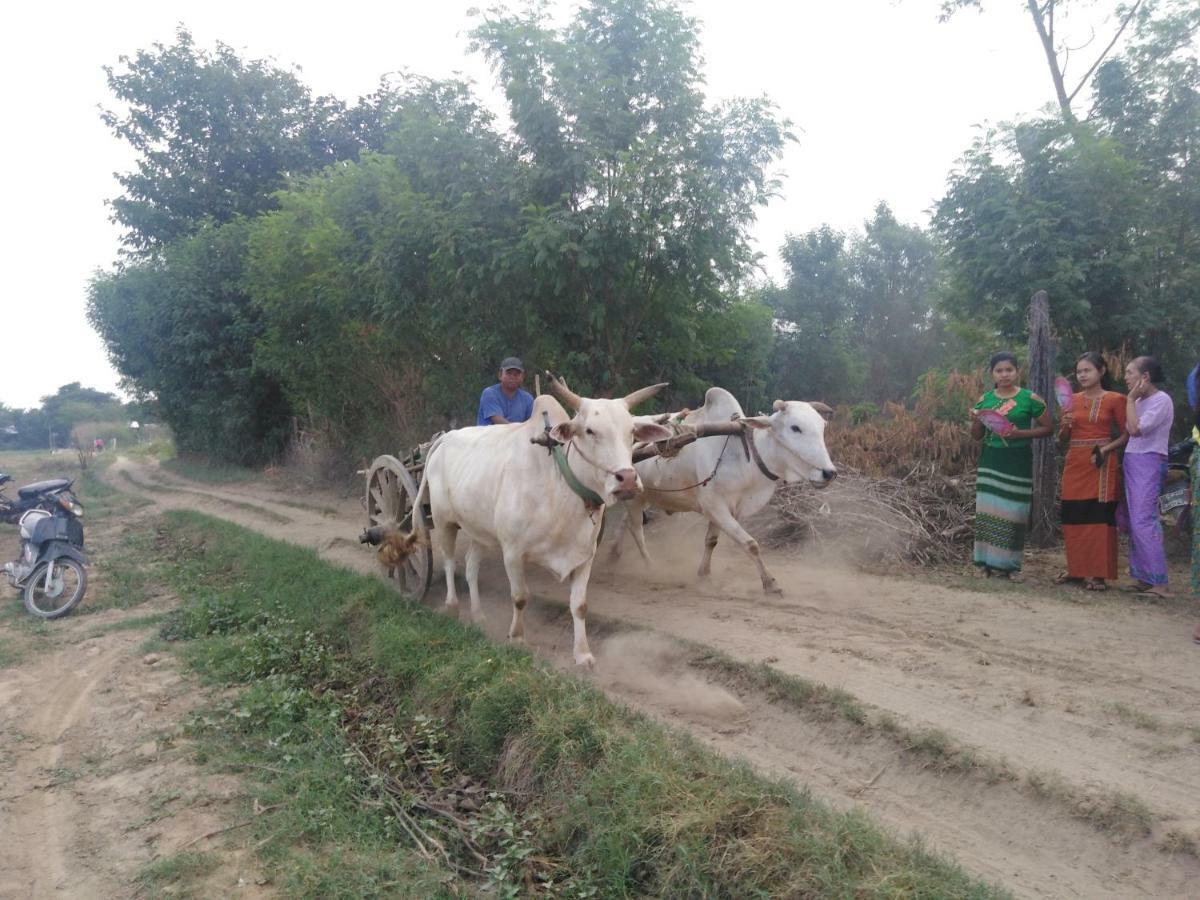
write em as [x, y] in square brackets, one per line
[1149, 414]
[1004, 486]
[506, 401]
[1091, 479]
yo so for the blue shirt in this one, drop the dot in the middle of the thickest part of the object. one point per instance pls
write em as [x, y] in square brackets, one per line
[494, 402]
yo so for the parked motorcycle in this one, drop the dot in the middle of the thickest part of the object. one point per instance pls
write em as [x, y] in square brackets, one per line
[1175, 498]
[50, 568]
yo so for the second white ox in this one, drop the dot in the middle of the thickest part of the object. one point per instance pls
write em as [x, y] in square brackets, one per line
[504, 493]
[725, 480]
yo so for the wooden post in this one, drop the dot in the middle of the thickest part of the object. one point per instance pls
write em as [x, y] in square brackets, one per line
[1043, 514]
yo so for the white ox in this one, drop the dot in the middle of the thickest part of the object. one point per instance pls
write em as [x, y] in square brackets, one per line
[790, 443]
[505, 493]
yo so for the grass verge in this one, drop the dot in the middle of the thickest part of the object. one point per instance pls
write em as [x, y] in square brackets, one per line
[483, 763]
[199, 468]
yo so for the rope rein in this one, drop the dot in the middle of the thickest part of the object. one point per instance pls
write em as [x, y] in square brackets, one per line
[699, 484]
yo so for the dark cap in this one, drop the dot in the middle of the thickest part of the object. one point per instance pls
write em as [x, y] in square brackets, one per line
[511, 362]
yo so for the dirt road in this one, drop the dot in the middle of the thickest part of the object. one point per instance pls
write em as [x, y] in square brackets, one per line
[1089, 702]
[92, 785]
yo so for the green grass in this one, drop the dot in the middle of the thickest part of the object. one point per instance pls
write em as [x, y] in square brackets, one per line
[1136, 717]
[162, 877]
[132, 624]
[156, 449]
[10, 653]
[1112, 811]
[587, 796]
[198, 468]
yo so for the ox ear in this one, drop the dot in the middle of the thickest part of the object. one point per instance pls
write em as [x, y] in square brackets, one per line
[779, 406]
[756, 421]
[649, 432]
[563, 431]
[643, 394]
[824, 409]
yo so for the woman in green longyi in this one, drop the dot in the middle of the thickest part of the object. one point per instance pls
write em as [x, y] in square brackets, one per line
[1005, 480]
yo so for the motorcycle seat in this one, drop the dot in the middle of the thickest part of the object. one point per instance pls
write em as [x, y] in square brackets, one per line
[43, 487]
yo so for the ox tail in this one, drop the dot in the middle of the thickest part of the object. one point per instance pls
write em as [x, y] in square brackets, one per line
[422, 498]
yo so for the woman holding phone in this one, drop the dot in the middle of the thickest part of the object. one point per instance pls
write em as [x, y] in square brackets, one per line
[1149, 414]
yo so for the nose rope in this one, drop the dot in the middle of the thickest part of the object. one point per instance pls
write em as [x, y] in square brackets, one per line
[587, 459]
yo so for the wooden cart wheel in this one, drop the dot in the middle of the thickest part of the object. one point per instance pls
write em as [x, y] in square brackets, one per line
[391, 502]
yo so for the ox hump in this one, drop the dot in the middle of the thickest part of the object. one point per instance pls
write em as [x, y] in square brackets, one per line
[719, 406]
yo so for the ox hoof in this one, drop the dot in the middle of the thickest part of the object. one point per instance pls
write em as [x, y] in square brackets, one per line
[517, 638]
[773, 589]
[585, 659]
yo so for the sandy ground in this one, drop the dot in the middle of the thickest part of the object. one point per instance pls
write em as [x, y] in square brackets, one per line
[1094, 693]
[93, 785]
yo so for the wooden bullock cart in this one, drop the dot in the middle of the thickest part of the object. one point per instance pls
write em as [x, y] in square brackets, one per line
[392, 484]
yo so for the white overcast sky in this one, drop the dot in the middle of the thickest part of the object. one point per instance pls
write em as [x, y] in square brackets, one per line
[884, 99]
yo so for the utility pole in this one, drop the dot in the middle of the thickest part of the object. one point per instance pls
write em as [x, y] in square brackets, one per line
[1043, 529]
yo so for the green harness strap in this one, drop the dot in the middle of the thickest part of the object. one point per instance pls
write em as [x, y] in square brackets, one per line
[590, 498]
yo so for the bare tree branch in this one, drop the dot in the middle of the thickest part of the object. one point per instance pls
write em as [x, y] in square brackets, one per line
[1040, 20]
[1099, 59]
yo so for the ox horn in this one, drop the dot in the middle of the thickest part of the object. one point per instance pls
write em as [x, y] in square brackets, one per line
[824, 409]
[643, 394]
[558, 388]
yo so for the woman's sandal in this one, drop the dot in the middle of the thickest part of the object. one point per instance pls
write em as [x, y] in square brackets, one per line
[1065, 578]
[1095, 584]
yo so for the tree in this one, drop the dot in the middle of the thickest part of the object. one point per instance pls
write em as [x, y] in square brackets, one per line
[1057, 48]
[640, 194]
[895, 275]
[605, 237]
[216, 136]
[72, 404]
[181, 330]
[815, 353]
[1103, 215]
[857, 313]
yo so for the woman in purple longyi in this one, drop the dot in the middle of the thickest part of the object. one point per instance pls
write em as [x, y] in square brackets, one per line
[1149, 414]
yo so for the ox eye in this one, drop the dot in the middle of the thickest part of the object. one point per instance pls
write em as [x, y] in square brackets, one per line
[796, 428]
[589, 432]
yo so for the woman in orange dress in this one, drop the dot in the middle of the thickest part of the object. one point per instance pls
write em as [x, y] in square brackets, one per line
[1091, 481]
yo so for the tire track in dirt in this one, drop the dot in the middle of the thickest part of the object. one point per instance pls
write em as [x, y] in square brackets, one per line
[91, 793]
[1019, 674]
[46, 814]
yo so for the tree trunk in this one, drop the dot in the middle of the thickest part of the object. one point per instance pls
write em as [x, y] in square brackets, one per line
[1043, 529]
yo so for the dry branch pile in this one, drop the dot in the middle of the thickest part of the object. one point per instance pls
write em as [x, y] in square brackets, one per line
[906, 488]
[922, 518]
[893, 446]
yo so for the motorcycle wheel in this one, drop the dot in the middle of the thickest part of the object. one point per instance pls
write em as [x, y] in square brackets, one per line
[67, 587]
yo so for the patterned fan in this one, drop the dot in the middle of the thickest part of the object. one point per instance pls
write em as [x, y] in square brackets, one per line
[1063, 392]
[996, 422]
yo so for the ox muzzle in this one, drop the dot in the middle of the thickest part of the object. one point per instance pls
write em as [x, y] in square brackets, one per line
[628, 485]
